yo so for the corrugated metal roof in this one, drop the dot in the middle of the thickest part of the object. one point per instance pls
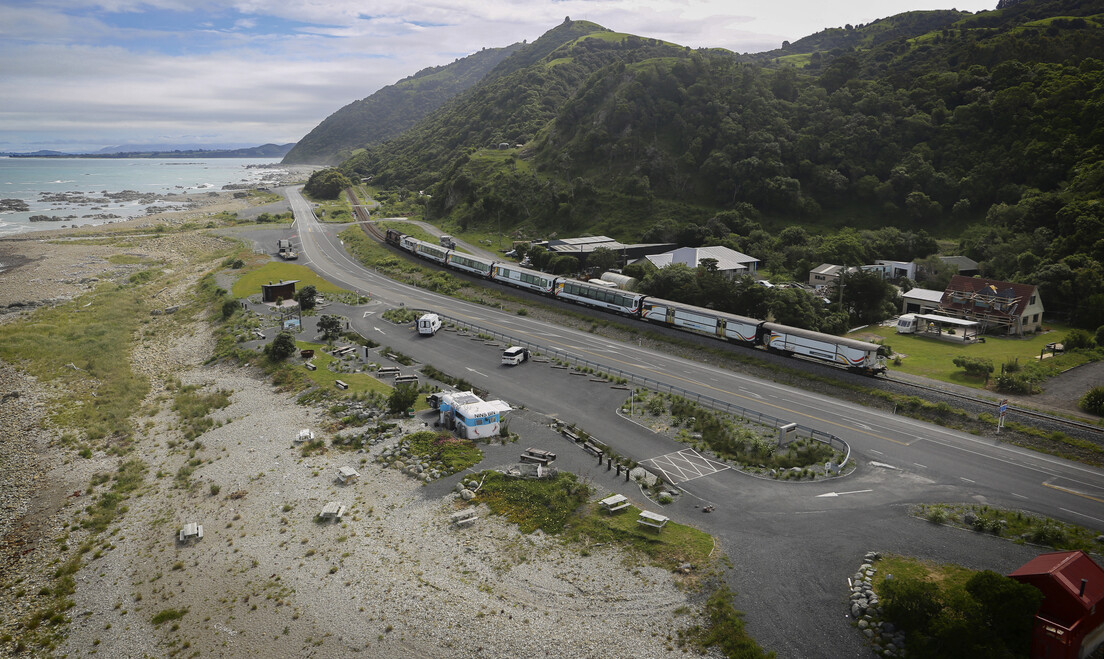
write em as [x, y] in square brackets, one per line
[727, 259]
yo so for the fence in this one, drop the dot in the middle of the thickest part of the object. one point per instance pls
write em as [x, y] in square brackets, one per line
[655, 385]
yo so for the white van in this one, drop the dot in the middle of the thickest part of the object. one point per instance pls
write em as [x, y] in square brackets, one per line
[515, 355]
[429, 324]
[906, 324]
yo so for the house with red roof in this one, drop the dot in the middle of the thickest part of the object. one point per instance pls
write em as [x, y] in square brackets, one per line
[1070, 620]
[997, 305]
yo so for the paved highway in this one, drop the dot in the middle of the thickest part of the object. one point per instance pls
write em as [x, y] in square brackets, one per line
[793, 545]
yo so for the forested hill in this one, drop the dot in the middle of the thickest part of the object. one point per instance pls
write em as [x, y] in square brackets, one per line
[986, 129]
[393, 109]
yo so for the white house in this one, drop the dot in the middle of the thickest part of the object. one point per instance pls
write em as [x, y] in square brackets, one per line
[729, 261]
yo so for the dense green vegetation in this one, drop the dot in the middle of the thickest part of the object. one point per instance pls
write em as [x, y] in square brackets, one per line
[393, 109]
[979, 129]
[948, 611]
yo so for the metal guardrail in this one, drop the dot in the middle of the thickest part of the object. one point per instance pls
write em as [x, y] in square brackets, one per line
[655, 385]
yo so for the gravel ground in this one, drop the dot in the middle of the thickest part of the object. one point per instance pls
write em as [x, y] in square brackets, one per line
[391, 579]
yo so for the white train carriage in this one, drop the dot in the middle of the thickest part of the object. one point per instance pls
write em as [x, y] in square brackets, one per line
[696, 319]
[469, 263]
[522, 278]
[615, 300]
[430, 251]
[853, 354]
[404, 242]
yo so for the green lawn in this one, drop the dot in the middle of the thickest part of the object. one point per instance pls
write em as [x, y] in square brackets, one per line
[274, 271]
[934, 358]
[359, 383]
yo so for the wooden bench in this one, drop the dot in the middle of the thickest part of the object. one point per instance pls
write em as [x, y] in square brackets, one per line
[259, 334]
[304, 435]
[614, 503]
[332, 510]
[341, 384]
[648, 518]
[190, 531]
[310, 366]
[463, 517]
[410, 377]
[387, 370]
[347, 475]
[341, 352]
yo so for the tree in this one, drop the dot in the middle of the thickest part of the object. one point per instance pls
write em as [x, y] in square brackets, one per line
[305, 297]
[282, 347]
[602, 259]
[867, 298]
[229, 308]
[402, 397]
[1007, 612]
[330, 326]
[326, 184]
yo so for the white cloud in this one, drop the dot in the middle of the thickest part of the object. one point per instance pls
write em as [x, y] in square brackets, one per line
[69, 73]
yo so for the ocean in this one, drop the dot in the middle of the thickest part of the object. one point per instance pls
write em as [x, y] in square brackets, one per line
[82, 191]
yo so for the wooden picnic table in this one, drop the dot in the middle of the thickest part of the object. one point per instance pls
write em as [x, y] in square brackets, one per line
[347, 475]
[332, 510]
[654, 520]
[614, 503]
[191, 530]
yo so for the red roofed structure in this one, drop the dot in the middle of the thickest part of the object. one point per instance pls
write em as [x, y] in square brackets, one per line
[1070, 621]
[993, 303]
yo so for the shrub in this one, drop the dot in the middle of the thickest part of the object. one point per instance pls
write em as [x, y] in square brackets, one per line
[1099, 338]
[282, 347]
[1093, 401]
[977, 367]
[1077, 339]
[215, 488]
[402, 397]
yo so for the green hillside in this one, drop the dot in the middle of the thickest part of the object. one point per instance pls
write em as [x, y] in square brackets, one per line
[982, 130]
[393, 109]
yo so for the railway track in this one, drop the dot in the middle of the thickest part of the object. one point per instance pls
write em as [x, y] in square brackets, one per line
[975, 404]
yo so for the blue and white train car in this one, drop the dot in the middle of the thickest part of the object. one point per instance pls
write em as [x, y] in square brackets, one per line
[851, 353]
[610, 299]
[522, 278]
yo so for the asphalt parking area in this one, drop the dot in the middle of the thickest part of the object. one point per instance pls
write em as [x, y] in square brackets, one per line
[684, 465]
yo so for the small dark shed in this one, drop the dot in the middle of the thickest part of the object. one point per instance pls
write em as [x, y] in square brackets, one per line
[284, 290]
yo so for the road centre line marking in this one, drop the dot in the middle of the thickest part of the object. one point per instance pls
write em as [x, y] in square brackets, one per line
[967, 479]
[1073, 492]
[1018, 495]
[920, 465]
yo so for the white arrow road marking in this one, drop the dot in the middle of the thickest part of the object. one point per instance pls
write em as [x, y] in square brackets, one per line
[862, 425]
[882, 465]
[367, 313]
[751, 393]
[839, 494]
[379, 330]
[476, 372]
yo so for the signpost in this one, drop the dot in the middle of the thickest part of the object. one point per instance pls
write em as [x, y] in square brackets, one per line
[1003, 412]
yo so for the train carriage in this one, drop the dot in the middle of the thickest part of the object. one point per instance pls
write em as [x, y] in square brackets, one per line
[697, 319]
[394, 237]
[615, 300]
[430, 251]
[851, 353]
[522, 278]
[469, 263]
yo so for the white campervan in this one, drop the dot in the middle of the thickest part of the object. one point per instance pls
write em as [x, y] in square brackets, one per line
[907, 324]
[514, 355]
[429, 324]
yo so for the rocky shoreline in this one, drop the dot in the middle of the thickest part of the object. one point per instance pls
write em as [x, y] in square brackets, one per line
[393, 578]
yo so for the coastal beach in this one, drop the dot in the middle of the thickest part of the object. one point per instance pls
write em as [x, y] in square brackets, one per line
[393, 578]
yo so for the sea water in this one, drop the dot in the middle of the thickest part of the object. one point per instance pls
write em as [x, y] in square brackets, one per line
[83, 191]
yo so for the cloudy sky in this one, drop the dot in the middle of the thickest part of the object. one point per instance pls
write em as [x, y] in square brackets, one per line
[78, 75]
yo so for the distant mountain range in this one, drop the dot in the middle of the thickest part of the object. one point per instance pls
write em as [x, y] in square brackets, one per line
[169, 151]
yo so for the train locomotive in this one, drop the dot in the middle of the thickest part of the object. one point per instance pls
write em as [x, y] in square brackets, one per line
[851, 354]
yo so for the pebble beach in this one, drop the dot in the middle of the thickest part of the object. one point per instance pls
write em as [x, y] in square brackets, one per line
[393, 578]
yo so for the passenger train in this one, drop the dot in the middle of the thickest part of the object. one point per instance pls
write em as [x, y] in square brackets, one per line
[848, 353]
